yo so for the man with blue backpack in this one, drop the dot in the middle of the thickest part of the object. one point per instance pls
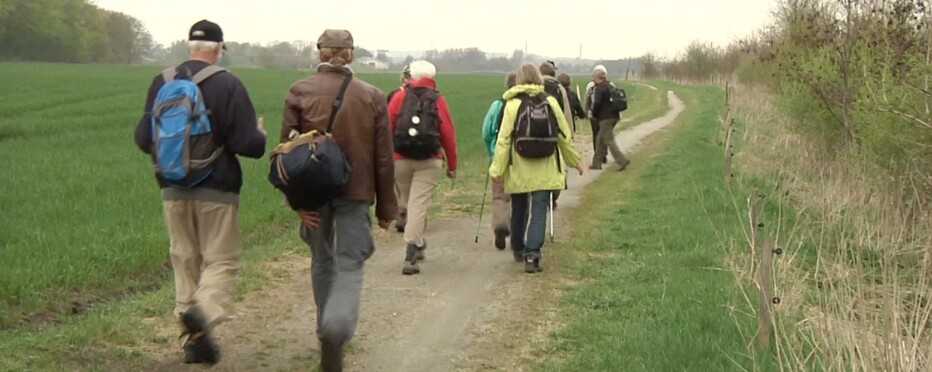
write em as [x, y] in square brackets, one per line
[501, 202]
[198, 118]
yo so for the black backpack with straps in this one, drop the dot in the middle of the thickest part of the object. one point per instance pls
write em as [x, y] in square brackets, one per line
[417, 130]
[552, 87]
[536, 133]
[617, 98]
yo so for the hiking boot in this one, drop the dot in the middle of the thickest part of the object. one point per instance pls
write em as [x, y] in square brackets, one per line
[623, 164]
[198, 346]
[519, 257]
[400, 224]
[411, 267]
[419, 255]
[532, 265]
[331, 356]
[500, 235]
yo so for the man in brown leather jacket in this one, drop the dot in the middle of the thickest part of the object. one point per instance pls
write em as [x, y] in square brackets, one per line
[340, 233]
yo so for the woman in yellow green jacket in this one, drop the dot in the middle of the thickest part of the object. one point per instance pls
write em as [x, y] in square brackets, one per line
[531, 180]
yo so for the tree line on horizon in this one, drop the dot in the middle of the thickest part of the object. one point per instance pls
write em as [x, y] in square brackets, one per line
[78, 31]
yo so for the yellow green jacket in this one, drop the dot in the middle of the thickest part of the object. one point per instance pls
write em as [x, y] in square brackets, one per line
[521, 174]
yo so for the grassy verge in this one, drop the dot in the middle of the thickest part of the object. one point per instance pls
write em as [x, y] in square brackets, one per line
[853, 282]
[645, 282]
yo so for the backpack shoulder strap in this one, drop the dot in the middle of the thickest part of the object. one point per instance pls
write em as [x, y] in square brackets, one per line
[339, 101]
[205, 73]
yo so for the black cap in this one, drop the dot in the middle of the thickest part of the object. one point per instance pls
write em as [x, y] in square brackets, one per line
[207, 31]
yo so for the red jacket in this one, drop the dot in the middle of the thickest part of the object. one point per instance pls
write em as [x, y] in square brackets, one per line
[447, 130]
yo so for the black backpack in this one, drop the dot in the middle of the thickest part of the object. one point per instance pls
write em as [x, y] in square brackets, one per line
[537, 130]
[617, 98]
[417, 130]
[311, 168]
[552, 87]
[388, 98]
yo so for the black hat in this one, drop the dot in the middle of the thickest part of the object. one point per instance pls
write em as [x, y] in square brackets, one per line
[207, 31]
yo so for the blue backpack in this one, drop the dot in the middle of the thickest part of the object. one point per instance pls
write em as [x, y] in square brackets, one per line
[183, 147]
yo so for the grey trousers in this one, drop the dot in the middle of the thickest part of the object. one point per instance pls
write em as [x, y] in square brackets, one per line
[339, 247]
[606, 142]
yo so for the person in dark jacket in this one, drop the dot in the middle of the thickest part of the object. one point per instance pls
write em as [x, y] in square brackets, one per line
[575, 108]
[340, 234]
[203, 221]
[607, 119]
[593, 123]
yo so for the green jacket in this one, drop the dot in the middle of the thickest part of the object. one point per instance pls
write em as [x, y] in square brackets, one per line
[490, 126]
[521, 174]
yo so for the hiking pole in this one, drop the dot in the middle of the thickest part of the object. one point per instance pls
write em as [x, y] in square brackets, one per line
[551, 216]
[482, 205]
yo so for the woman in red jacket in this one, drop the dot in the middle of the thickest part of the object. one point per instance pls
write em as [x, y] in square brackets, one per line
[423, 133]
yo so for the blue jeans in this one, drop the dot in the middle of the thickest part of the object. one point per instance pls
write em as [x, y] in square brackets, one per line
[529, 222]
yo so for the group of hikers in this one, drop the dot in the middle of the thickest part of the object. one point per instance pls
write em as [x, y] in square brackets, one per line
[371, 149]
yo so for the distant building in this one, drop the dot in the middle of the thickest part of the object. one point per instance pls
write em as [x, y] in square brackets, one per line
[374, 63]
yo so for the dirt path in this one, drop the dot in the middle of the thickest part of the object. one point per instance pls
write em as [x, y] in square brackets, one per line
[408, 323]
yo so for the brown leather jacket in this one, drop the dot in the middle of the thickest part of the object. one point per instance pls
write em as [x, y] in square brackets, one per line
[361, 129]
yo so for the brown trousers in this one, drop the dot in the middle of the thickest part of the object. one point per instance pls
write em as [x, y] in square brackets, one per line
[205, 255]
[416, 181]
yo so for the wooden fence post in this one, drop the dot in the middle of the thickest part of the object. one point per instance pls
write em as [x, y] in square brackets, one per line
[760, 242]
[754, 215]
[727, 100]
[729, 151]
[765, 321]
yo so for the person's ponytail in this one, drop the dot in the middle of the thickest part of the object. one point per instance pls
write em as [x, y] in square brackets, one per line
[336, 56]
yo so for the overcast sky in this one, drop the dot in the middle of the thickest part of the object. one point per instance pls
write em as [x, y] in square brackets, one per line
[606, 28]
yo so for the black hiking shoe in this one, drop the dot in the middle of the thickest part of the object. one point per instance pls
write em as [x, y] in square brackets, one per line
[411, 267]
[400, 224]
[198, 346]
[500, 235]
[532, 265]
[595, 166]
[419, 255]
[331, 356]
[519, 257]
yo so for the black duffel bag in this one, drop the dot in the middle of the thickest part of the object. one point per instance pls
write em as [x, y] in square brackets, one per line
[310, 169]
